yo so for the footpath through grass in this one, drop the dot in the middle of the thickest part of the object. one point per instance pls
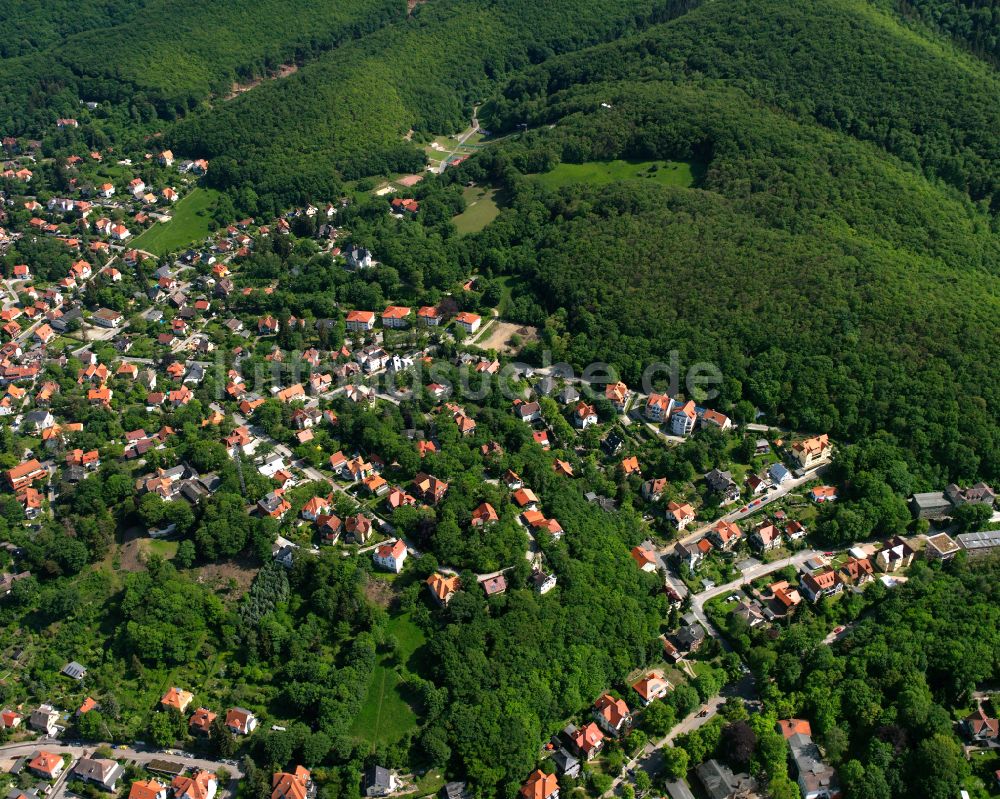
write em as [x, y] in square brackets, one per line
[189, 224]
[598, 173]
[480, 209]
[386, 715]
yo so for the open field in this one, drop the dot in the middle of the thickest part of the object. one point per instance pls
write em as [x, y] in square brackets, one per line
[668, 173]
[386, 715]
[480, 209]
[189, 225]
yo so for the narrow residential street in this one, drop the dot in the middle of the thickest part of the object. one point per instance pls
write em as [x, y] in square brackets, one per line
[650, 759]
[13, 751]
[739, 513]
[754, 572]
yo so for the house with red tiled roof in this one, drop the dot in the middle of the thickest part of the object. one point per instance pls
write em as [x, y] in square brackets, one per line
[856, 571]
[294, 785]
[429, 488]
[630, 466]
[525, 499]
[725, 534]
[484, 515]
[429, 316]
[540, 786]
[44, 334]
[588, 740]
[765, 537]
[391, 555]
[396, 316]
[617, 394]
[645, 559]
[562, 467]
[315, 507]
[466, 426]
[790, 727]
[680, 514]
[24, 474]
[981, 728]
[715, 419]
[240, 721]
[584, 415]
[443, 587]
[651, 687]
[201, 785]
[786, 596]
[613, 715]
[147, 789]
[682, 419]
[360, 321]
[811, 451]
[823, 494]
[201, 721]
[358, 527]
[46, 765]
[177, 699]
[822, 583]
[9, 719]
[469, 322]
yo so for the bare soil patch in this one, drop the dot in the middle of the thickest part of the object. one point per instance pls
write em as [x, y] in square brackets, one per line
[239, 88]
[379, 592]
[500, 333]
[232, 577]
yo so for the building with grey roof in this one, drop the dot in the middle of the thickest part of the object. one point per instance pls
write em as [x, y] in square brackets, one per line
[979, 544]
[720, 782]
[816, 779]
[930, 505]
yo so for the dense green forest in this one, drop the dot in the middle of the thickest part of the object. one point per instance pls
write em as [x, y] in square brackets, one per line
[168, 56]
[881, 701]
[807, 265]
[348, 112]
[30, 25]
[840, 63]
[975, 24]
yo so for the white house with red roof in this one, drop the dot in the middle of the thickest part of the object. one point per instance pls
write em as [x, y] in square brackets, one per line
[360, 321]
[658, 407]
[613, 715]
[469, 322]
[652, 687]
[391, 556]
[682, 419]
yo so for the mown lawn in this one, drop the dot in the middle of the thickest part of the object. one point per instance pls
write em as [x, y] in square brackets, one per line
[386, 715]
[480, 209]
[189, 225]
[598, 173]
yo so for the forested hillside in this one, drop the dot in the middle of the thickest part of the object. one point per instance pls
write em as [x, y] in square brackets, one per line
[170, 55]
[29, 25]
[879, 701]
[810, 263]
[347, 112]
[974, 24]
[840, 63]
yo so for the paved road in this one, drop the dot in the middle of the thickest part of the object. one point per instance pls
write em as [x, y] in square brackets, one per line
[140, 755]
[738, 514]
[650, 759]
[754, 572]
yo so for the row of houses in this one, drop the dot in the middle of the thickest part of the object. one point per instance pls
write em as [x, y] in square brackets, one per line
[400, 317]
